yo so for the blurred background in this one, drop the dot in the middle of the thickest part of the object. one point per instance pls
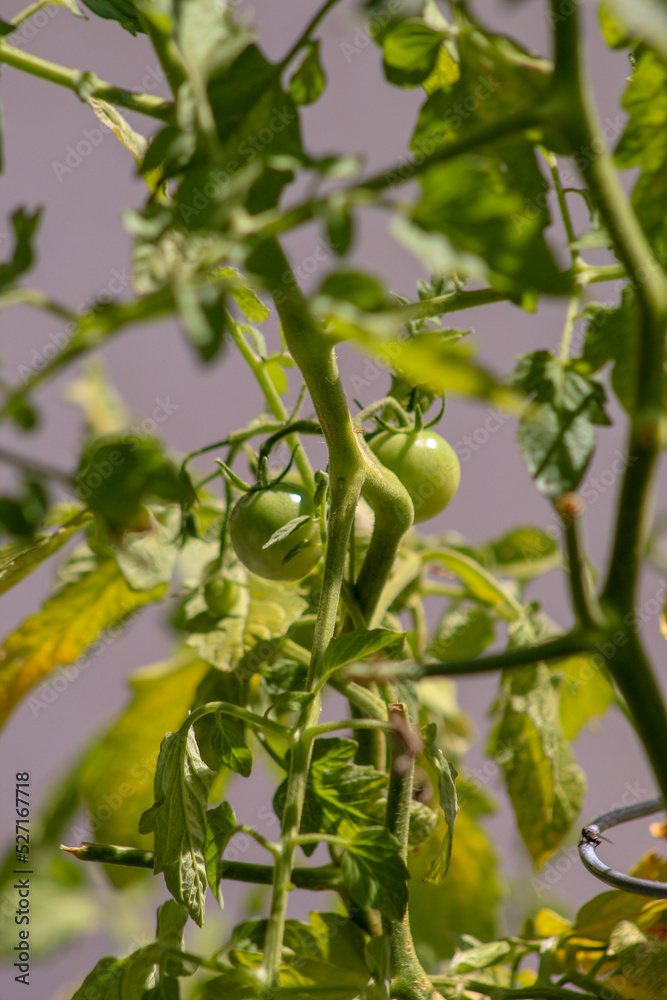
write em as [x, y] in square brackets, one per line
[84, 252]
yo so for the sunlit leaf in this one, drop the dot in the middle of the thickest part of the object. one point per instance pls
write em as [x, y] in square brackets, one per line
[309, 80]
[178, 820]
[374, 872]
[557, 431]
[69, 622]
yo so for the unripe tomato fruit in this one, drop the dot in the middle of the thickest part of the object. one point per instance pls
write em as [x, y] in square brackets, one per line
[255, 518]
[425, 463]
[220, 596]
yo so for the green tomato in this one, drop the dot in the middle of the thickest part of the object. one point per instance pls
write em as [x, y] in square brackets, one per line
[220, 595]
[260, 513]
[426, 465]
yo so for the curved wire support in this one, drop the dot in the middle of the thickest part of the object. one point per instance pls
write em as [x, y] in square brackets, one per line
[591, 839]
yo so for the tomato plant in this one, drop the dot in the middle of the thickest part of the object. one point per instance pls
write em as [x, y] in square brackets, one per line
[316, 635]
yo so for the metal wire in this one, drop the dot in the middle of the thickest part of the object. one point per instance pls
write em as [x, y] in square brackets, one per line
[591, 839]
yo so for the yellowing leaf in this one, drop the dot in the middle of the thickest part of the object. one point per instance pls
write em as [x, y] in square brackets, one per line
[466, 902]
[19, 558]
[548, 923]
[68, 623]
[586, 692]
[265, 610]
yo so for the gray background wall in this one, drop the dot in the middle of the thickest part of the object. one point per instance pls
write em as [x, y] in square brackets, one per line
[83, 249]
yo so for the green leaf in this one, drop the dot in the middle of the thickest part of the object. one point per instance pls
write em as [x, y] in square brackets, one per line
[248, 302]
[466, 902]
[228, 741]
[118, 979]
[410, 50]
[25, 226]
[614, 31]
[19, 558]
[171, 921]
[114, 121]
[70, 621]
[446, 772]
[480, 582]
[586, 692]
[147, 558]
[484, 206]
[360, 644]
[322, 960]
[544, 782]
[287, 529]
[522, 553]
[309, 81]
[362, 290]
[493, 77]
[341, 798]
[643, 145]
[645, 956]
[122, 11]
[481, 957]
[178, 820]
[461, 635]
[220, 826]
[432, 360]
[119, 473]
[374, 872]
[556, 434]
[117, 773]
[265, 611]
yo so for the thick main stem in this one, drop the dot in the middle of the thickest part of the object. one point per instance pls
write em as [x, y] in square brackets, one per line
[349, 471]
[409, 981]
[579, 122]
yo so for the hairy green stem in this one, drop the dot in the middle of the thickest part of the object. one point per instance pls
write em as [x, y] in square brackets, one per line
[583, 601]
[305, 36]
[521, 656]
[579, 122]
[323, 877]
[350, 470]
[632, 672]
[272, 397]
[77, 81]
[409, 981]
